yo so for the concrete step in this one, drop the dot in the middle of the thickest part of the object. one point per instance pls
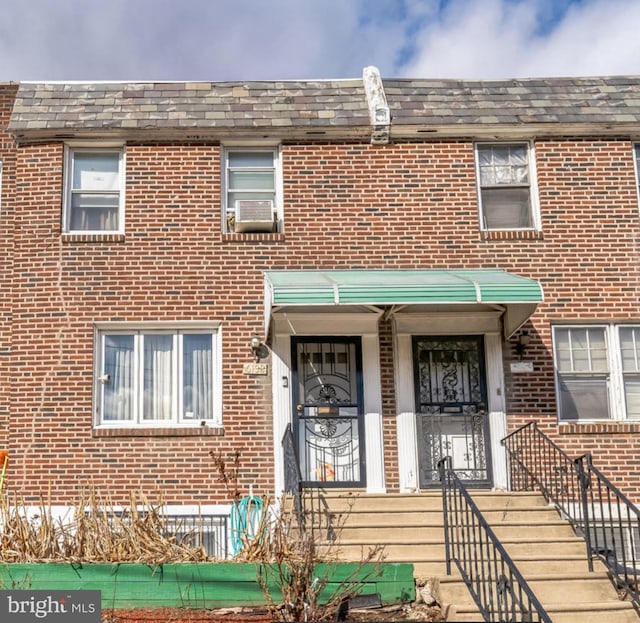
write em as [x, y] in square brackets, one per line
[340, 501]
[533, 546]
[552, 588]
[593, 612]
[412, 550]
[395, 502]
[436, 567]
[419, 533]
[410, 527]
[389, 517]
[590, 612]
[576, 590]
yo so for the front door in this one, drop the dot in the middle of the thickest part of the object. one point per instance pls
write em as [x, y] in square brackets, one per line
[451, 398]
[328, 410]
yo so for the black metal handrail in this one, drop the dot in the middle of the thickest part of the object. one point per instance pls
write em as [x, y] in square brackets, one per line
[596, 508]
[292, 473]
[497, 587]
[536, 462]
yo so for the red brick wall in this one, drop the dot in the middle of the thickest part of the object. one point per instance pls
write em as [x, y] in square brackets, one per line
[346, 206]
[7, 158]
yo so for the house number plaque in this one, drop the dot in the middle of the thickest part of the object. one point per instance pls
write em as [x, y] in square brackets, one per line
[256, 368]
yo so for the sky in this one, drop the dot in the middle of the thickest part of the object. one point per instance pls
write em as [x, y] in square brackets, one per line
[222, 40]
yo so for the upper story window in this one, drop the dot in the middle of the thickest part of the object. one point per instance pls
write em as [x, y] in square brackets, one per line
[506, 183]
[252, 190]
[157, 377]
[598, 372]
[94, 197]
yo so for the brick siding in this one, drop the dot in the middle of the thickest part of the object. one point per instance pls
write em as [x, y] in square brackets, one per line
[346, 205]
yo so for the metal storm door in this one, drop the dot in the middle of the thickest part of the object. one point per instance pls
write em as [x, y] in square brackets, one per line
[328, 410]
[451, 407]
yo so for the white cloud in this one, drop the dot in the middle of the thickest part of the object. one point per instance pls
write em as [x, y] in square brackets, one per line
[178, 40]
[288, 39]
[502, 38]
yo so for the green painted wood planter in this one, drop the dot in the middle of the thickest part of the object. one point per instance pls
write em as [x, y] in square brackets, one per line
[196, 585]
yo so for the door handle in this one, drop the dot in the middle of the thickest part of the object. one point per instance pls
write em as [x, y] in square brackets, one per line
[299, 408]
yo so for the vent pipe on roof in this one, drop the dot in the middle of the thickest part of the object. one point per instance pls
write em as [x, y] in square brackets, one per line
[378, 108]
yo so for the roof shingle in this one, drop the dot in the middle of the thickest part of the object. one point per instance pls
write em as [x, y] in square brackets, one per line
[338, 107]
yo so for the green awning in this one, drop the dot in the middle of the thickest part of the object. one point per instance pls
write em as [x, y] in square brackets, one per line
[517, 295]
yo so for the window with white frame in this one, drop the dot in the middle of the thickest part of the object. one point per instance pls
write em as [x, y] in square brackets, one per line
[252, 182]
[597, 371]
[159, 377]
[94, 190]
[506, 186]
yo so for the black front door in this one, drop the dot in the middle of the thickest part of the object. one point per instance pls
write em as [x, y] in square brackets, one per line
[451, 398]
[328, 410]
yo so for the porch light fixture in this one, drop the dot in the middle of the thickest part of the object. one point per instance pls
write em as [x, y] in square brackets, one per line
[523, 341]
[259, 350]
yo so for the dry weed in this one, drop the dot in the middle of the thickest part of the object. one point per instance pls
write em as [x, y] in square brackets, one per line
[96, 531]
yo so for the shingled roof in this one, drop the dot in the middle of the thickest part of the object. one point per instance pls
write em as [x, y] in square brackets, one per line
[189, 107]
[537, 101]
[333, 108]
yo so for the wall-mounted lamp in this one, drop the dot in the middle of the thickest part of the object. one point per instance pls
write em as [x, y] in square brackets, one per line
[523, 341]
[259, 350]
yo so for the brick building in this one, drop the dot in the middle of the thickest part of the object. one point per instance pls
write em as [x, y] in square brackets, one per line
[426, 265]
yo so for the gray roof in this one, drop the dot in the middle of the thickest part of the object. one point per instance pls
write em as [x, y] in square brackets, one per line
[536, 100]
[255, 107]
[334, 108]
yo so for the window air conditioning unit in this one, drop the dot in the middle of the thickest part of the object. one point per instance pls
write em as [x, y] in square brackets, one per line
[254, 215]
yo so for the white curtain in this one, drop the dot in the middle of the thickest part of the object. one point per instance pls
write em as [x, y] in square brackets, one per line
[197, 376]
[158, 379]
[118, 377]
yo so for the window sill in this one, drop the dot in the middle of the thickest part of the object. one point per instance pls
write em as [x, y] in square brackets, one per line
[511, 234]
[178, 431]
[257, 237]
[106, 237]
[598, 428]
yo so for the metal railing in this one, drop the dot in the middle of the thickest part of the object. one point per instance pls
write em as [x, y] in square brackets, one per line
[210, 532]
[207, 530]
[292, 474]
[598, 511]
[536, 462]
[496, 585]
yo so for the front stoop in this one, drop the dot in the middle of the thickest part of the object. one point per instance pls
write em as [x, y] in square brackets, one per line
[410, 527]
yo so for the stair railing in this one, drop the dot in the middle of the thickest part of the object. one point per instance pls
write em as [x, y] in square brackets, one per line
[595, 507]
[292, 474]
[536, 462]
[497, 587]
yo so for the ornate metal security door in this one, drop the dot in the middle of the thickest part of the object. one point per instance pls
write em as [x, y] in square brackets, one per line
[328, 413]
[451, 407]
